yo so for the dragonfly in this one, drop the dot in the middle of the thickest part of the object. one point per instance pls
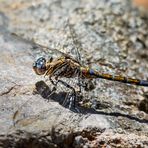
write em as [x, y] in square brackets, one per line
[68, 67]
[59, 69]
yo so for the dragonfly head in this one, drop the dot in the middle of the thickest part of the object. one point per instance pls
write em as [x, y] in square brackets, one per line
[39, 66]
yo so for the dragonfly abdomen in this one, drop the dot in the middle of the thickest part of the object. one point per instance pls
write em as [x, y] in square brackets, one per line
[90, 73]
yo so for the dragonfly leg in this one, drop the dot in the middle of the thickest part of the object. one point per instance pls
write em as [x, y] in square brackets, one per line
[80, 85]
[72, 97]
[51, 80]
[52, 92]
[53, 89]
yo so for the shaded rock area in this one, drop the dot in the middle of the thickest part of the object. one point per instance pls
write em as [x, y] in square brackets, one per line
[114, 38]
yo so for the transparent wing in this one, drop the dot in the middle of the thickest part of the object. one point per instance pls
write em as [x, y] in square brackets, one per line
[46, 50]
[77, 44]
[56, 42]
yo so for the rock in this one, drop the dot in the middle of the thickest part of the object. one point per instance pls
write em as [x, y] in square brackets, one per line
[109, 31]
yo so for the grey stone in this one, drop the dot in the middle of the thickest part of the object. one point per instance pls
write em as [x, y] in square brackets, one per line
[113, 34]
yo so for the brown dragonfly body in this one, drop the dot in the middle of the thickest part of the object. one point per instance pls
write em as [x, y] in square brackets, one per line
[70, 68]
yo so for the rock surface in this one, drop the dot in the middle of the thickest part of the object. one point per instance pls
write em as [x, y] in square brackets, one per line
[112, 33]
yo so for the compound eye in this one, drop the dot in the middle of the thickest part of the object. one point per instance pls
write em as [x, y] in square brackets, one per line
[40, 66]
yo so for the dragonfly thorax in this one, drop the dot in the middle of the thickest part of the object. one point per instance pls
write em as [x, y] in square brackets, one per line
[62, 67]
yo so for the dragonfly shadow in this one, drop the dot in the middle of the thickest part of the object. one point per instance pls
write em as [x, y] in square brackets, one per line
[43, 89]
[113, 114]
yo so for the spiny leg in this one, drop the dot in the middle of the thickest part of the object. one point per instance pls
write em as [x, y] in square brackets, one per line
[64, 66]
[72, 96]
[54, 88]
[51, 80]
[80, 84]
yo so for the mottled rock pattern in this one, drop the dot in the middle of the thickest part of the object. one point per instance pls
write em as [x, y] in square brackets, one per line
[112, 33]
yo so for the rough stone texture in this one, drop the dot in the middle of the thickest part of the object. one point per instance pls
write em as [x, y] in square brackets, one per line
[112, 33]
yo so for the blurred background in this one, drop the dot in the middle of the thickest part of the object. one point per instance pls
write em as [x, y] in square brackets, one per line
[141, 3]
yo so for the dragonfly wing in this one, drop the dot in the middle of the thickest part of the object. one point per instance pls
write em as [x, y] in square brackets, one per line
[46, 49]
[76, 42]
[63, 42]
